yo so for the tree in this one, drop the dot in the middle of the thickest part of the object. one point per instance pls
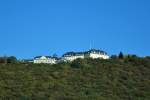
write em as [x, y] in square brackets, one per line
[11, 59]
[147, 57]
[114, 57]
[121, 56]
[2, 60]
[77, 63]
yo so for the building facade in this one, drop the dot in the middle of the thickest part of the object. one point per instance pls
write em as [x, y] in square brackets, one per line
[71, 56]
[45, 59]
[93, 53]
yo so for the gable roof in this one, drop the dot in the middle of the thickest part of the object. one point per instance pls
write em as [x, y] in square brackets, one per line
[37, 57]
[73, 54]
[96, 51]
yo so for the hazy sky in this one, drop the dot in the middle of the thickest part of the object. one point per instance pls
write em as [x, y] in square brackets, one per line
[43, 27]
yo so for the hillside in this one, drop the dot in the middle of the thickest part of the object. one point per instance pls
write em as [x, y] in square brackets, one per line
[114, 79]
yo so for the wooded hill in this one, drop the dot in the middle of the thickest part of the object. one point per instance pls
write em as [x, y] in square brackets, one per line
[114, 79]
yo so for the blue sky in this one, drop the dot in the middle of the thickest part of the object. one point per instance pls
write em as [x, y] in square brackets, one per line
[43, 27]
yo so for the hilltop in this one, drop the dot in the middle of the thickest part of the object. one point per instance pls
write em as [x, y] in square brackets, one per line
[83, 79]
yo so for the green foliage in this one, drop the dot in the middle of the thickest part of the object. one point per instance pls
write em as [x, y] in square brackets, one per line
[88, 79]
[114, 57]
[2, 60]
[121, 55]
[10, 59]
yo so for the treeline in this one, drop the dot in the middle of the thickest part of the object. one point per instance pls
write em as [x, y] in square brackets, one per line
[11, 59]
[121, 56]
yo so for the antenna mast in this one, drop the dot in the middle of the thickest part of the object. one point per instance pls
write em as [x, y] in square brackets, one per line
[91, 44]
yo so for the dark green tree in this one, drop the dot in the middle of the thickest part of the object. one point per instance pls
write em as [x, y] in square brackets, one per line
[121, 56]
[11, 59]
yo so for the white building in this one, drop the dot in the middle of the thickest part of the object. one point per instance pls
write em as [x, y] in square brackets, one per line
[45, 59]
[93, 53]
[71, 56]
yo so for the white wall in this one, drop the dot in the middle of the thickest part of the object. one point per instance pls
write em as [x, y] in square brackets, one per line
[72, 58]
[43, 59]
[48, 61]
[94, 56]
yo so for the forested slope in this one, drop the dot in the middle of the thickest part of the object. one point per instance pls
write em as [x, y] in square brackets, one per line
[114, 79]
